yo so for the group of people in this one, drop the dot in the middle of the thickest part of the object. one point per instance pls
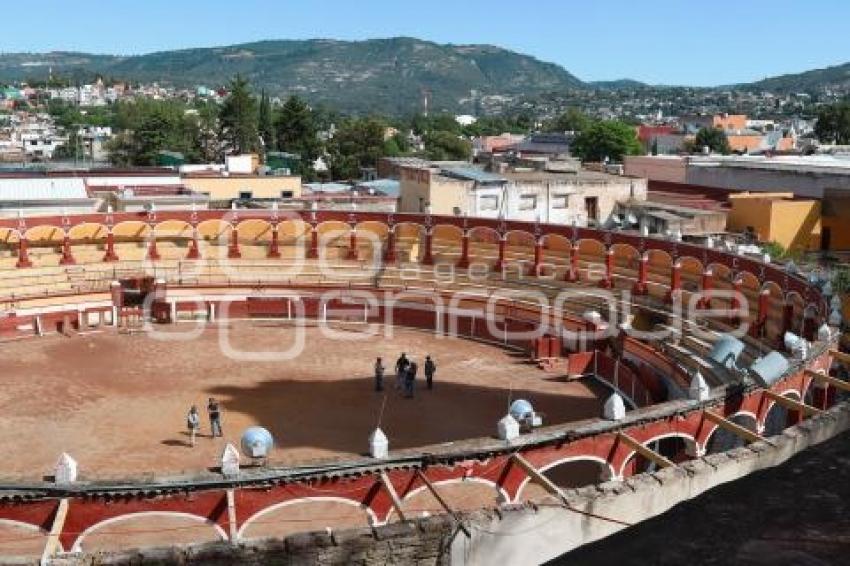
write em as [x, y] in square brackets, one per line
[193, 420]
[405, 372]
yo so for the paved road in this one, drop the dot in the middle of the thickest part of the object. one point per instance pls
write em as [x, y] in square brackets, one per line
[797, 514]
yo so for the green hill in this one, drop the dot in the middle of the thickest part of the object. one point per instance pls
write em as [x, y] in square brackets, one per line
[387, 75]
[836, 76]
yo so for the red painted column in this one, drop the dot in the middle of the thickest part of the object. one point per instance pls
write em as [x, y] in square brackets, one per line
[427, 256]
[707, 286]
[153, 253]
[757, 328]
[194, 249]
[463, 262]
[787, 321]
[233, 249]
[389, 253]
[352, 244]
[110, 254]
[572, 272]
[313, 250]
[538, 257]
[809, 327]
[608, 281]
[274, 251]
[500, 262]
[23, 254]
[67, 257]
[735, 303]
[675, 281]
[640, 287]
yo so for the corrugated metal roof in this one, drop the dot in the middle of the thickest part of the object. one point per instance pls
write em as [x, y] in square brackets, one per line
[473, 174]
[387, 186]
[42, 189]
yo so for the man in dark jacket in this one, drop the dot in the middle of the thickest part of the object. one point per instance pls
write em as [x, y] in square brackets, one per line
[215, 417]
[410, 379]
[430, 368]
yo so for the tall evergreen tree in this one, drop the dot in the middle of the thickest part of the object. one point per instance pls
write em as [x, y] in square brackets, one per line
[265, 123]
[296, 131]
[238, 118]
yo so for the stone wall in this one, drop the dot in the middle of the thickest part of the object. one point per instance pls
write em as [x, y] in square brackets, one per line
[422, 542]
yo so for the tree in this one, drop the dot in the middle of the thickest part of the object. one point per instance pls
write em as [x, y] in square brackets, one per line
[606, 139]
[446, 146]
[833, 125]
[296, 132]
[238, 118]
[150, 126]
[358, 142]
[573, 120]
[714, 139]
[265, 123]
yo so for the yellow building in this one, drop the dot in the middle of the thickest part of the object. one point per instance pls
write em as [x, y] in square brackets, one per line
[422, 187]
[777, 217]
[229, 187]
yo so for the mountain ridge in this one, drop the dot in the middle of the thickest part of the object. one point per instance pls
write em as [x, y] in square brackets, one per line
[385, 75]
[388, 75]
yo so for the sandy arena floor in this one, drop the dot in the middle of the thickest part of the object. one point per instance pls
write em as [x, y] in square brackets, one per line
[117, 403]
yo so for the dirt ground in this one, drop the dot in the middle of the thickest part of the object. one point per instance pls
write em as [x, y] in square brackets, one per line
[117, 403]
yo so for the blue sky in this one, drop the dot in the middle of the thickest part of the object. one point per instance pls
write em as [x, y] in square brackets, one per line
[657, 41]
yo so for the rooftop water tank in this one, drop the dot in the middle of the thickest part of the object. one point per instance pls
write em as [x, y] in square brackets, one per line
[726, 350]
[769, 369]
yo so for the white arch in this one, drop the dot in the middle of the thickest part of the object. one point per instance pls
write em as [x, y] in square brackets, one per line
[471, 479]
[29, 527]
[77, 546]
[787, 393]
[567, 460]
[317, 499]
[683, 435]
[750, 414]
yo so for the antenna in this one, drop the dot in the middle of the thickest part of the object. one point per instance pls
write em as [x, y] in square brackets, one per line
[381, 412]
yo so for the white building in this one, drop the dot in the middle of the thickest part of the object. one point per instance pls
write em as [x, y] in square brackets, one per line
[581, 198]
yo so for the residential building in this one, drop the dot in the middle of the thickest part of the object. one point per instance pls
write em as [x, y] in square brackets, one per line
[777, 217]
[822, 178]
[661, 218]
[581, 198]
[225, 186]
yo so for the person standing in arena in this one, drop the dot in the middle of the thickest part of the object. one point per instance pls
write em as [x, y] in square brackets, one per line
[193, 423]
[379, 375]
[410, 379]
[215, 417]
[401, 370]
[430, 368]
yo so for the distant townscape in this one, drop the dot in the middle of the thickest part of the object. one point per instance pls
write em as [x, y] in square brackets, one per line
[395, 126]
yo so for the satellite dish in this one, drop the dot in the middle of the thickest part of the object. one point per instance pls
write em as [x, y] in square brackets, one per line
[521, 410]
[256, 442]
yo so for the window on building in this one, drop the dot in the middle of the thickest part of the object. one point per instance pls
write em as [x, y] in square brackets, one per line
[246, 195]
[560, 200]
[286, 194]
[591, 206]
[488, 202]
[456, 210]
[527, 202]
